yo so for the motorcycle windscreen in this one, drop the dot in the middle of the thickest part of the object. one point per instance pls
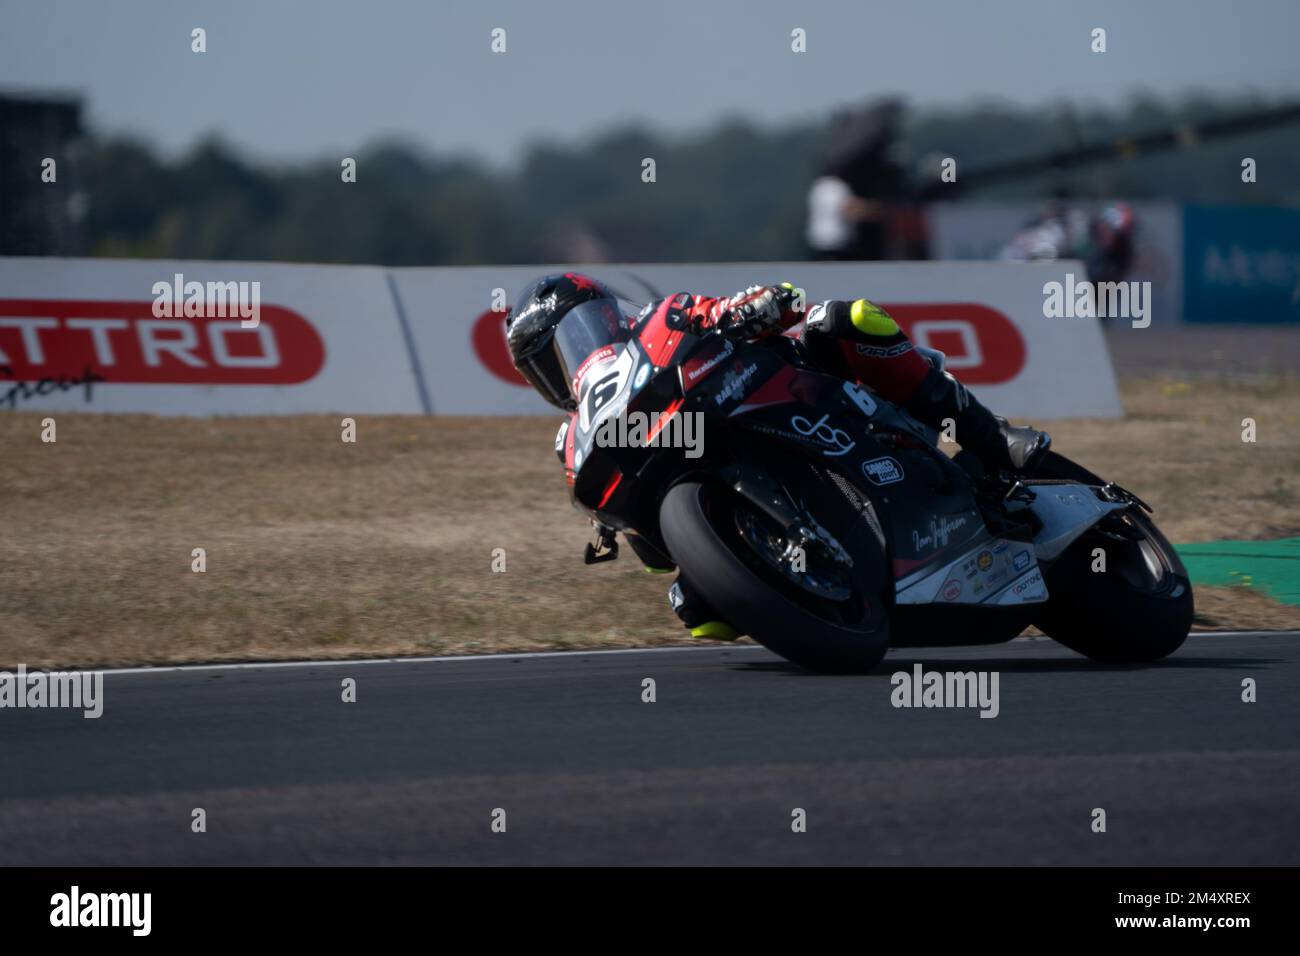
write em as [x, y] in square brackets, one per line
[589, 335]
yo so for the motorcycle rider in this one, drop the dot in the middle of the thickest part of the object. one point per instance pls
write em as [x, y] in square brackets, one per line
[855, 340]
[1105, 242]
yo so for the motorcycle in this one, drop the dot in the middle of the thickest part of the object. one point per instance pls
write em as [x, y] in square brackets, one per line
[828, 524]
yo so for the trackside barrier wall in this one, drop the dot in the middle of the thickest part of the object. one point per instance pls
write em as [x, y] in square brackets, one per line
[365, 340]
[329, 340]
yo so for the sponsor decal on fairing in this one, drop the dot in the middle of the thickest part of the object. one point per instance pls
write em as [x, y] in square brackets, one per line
[883, 471]
[826, 434]
[940, 532]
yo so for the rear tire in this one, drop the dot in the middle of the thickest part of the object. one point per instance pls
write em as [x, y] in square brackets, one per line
[699, 524]
[1139, 610]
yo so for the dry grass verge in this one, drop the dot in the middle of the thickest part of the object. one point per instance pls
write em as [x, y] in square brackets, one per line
[316, 548]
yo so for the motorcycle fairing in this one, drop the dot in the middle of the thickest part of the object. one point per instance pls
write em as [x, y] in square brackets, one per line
[1065, 511]
[597, 472]
[921, 496]
[942, 551]
[607, 392]
[663, 331]
[1006, 572]
[994, 571]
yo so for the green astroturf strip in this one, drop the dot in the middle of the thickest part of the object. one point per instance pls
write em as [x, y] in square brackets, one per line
[1270, 566]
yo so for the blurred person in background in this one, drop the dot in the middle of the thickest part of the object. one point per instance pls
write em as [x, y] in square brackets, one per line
[841, 224]
[850, 202]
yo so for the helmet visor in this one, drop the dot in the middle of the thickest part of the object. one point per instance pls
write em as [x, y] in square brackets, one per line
[542, 370]
[586, 336]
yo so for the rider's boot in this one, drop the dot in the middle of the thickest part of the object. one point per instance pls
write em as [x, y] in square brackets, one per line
[691, 609]
[700, 619]
[998, 445]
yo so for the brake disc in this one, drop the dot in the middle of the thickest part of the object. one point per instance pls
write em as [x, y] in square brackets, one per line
[781, 554]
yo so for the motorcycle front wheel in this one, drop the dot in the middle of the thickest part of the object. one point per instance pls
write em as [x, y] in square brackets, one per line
[823, 616]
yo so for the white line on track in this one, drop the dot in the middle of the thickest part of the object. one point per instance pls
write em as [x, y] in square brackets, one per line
[453, 658]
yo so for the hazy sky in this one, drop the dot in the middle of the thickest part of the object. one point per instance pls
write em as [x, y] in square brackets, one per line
[289, 78]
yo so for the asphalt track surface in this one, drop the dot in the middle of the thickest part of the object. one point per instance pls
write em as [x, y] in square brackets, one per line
[710, 773]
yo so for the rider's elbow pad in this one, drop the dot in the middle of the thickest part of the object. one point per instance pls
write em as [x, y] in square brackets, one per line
[829, 318]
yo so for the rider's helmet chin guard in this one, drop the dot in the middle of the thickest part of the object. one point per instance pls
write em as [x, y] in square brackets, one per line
[530, 331]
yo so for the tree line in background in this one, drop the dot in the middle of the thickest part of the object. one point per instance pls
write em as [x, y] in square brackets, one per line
[733, 192]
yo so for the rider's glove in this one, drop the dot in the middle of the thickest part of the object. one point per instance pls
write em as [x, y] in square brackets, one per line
[789, 298]
[754, 313]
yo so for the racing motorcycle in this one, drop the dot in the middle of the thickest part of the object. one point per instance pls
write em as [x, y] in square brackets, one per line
[828, 524]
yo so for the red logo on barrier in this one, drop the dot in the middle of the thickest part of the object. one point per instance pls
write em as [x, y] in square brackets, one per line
[983, 346]
[124, 343]
[489, 340]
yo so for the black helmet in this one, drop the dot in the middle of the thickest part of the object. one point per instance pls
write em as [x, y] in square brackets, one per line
[530, 330]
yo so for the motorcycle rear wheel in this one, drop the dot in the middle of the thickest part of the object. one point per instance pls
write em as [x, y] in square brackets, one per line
[1139, 609]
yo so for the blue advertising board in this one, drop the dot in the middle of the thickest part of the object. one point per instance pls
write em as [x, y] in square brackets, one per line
[1241, 264]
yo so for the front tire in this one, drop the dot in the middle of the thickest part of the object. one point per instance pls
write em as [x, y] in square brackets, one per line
[702, 526]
